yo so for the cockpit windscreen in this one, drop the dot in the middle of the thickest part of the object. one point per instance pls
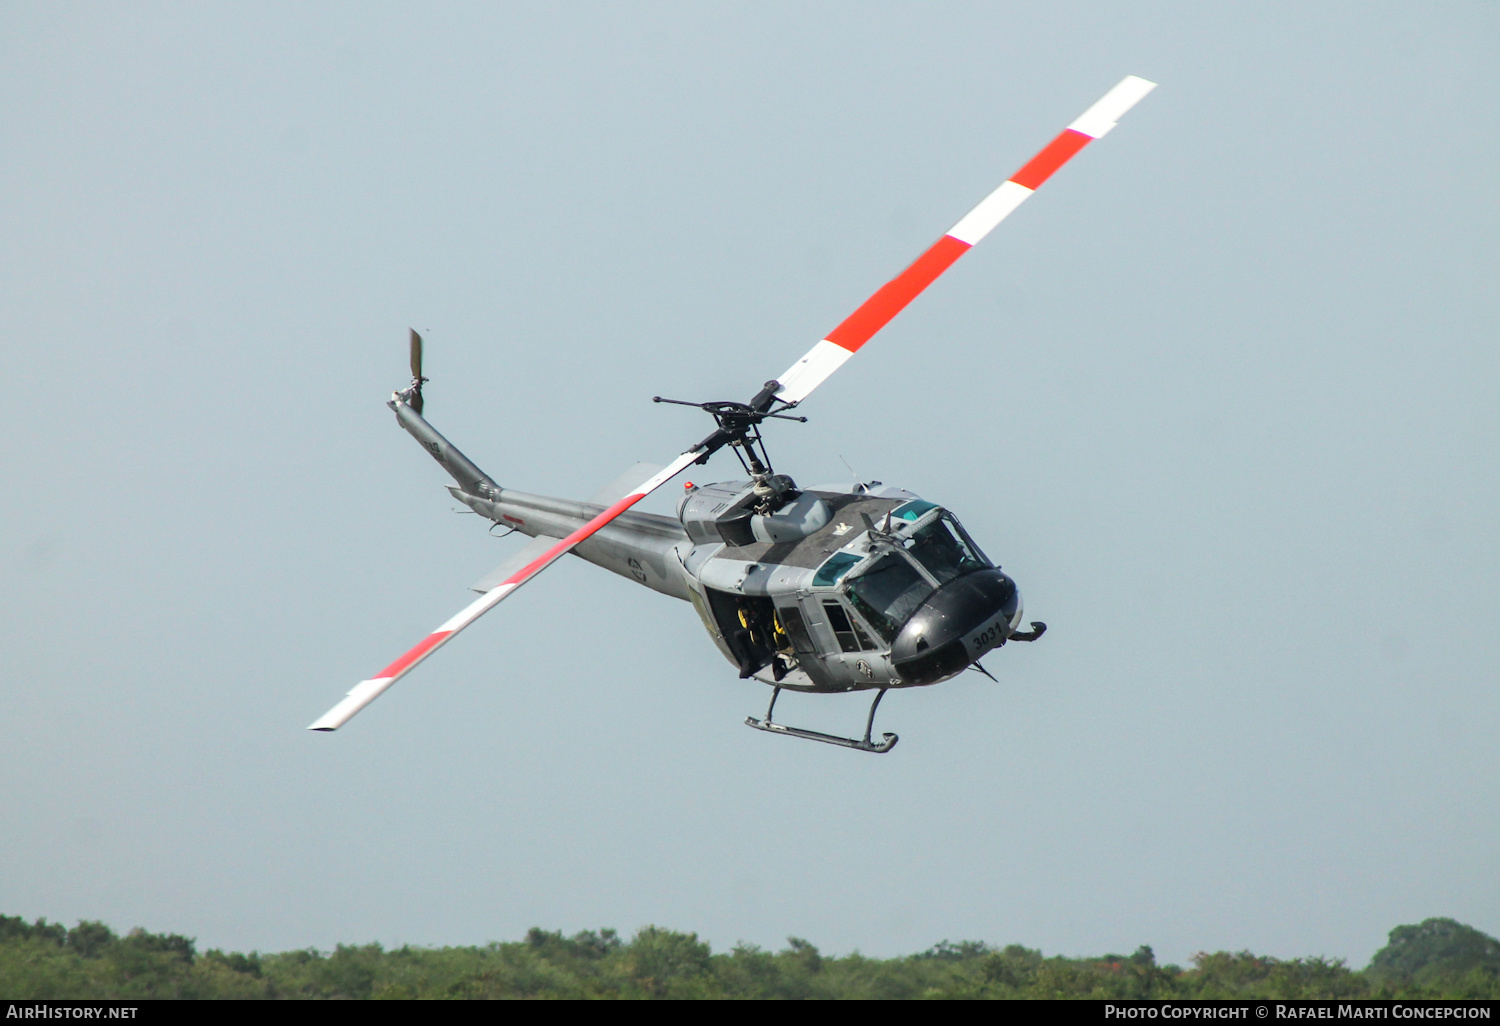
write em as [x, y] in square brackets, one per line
[945, 551]
[888, 593]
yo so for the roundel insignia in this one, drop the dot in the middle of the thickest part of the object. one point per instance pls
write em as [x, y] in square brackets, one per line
[864, 668]
[636, 570]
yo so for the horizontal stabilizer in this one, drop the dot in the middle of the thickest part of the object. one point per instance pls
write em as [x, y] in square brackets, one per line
[525, 554]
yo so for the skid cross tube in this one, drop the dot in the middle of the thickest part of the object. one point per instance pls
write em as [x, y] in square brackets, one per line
[887, 742]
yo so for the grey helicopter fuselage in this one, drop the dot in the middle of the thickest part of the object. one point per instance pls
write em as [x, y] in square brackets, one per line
[831, 589]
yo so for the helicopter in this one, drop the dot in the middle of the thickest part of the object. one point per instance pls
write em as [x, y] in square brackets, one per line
[828, 589]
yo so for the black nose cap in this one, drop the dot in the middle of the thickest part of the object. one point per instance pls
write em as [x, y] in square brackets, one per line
[958, 623]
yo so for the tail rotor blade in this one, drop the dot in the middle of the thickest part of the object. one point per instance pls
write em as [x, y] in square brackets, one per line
[415, 402]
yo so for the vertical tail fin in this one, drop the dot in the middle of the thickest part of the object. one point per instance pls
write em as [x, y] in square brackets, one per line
[407, 405]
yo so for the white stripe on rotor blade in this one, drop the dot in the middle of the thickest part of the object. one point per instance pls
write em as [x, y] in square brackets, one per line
[811, 371]
[620, 486]
[361, 695]
[666, 473]
[993, 209]
[1101, 117]
[474, 610]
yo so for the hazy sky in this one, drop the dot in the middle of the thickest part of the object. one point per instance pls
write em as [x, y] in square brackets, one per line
[1222, 397]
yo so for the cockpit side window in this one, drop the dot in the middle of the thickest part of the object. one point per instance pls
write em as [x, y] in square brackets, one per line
[968, 542]
[944, 550]
[888, 593]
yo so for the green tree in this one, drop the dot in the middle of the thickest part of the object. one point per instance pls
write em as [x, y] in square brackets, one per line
[1435, 945]
[666, 963]
[1437, 958]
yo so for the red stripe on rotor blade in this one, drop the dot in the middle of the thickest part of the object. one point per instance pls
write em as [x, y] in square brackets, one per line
[1058, 152]
[436, 638]
[583, 533]
[876, 312]
[424, 646]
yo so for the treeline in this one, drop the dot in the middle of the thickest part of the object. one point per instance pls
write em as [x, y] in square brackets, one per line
[1435, 959]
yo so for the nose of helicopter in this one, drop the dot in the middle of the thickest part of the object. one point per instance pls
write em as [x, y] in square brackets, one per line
[958, 623]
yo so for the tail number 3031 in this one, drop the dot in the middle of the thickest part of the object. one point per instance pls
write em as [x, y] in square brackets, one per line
[991, 633]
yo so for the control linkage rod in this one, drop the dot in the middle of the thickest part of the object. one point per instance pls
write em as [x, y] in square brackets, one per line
[738, 424]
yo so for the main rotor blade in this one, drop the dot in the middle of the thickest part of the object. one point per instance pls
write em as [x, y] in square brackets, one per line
[858, 328]
[366, 691]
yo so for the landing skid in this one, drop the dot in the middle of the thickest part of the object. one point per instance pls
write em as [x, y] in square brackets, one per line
[866, 745]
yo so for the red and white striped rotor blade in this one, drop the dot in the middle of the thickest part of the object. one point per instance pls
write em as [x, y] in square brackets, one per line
[860, 326]
[366, 691]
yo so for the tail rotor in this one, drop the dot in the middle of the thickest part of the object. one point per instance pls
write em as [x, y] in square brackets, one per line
[413, 393]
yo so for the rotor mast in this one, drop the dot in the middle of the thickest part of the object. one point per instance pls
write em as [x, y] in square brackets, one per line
[739, 428]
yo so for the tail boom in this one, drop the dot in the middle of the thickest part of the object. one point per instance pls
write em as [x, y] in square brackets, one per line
[469, 477]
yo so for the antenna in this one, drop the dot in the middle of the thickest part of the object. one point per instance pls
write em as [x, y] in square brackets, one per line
[852, 472]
